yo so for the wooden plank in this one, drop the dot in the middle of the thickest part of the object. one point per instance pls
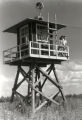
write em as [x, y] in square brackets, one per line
[33, 91]
[19, 94]
[61, 91]
[56, 95]
[15, 83]
[48, 69]
[23, 72]
[62, 94]
[48, 77]
[37, 82]
[40, 106]
[22, 81]
[26, 75]
[55, 74]
[46, 96]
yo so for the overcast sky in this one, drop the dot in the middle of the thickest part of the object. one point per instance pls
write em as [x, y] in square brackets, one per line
[69, 12]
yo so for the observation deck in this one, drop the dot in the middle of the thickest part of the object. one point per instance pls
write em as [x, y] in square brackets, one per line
[35, 51]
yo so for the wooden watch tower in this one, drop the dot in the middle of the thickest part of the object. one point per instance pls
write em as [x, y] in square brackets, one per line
[38, 48]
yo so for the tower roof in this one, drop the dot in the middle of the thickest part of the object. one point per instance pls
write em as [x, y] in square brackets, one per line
[13, 29]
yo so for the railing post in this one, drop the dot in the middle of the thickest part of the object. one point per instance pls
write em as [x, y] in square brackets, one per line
[49, 49]
[30, 48]
[20, 51]
[56, 51]
[39, 48]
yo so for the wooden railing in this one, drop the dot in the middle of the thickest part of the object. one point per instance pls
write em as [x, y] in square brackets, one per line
[16, 53]
[36, 49]
[45, 50]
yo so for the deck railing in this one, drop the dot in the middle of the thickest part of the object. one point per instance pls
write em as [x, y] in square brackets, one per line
[15, 53]
[45, 50]
[36, 49]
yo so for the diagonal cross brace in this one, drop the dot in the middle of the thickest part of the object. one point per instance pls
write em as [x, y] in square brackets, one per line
[52, 80]
[46, 96]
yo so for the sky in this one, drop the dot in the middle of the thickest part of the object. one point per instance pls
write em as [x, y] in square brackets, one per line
[69, 13]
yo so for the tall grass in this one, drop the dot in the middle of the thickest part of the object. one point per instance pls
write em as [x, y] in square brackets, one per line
[72, 110]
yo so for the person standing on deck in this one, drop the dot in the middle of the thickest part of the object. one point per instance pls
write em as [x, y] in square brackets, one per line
[63, 40]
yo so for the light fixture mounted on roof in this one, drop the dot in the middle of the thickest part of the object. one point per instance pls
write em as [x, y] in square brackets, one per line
[39, 6]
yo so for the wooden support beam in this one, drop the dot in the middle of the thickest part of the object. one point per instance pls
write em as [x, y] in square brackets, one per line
[15, 83]
[37, 82]
[56, 95]
[22, 71]
[33, 91]
[39, 85]
[48, 77]
[25, 78]
[45, 102]
[62, 94]
[40, 106]
[30, 83]
[61, 91]
[40, 89]
[48, 69]
[46, 96]
[20, 94]
[55, 74]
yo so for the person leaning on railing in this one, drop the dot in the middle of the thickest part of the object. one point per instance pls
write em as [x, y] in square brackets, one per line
[63, 43]
[62, 46]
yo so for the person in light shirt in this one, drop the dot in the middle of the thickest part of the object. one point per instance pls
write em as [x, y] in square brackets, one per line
[63, 40]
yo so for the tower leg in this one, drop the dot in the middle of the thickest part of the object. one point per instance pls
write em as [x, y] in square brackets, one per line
[33, 91]
[15, 83]
[29, 87]
[61, 91]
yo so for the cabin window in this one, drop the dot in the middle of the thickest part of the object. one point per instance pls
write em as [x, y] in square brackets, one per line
[42, 33]
[24, 34]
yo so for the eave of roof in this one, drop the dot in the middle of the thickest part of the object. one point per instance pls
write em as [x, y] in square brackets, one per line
[14, 28]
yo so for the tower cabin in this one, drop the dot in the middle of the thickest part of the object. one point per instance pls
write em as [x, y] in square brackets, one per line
[36, 42]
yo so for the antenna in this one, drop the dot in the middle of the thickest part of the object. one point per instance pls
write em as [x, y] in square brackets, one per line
[55, 27]
[39, 6]
[48, 26]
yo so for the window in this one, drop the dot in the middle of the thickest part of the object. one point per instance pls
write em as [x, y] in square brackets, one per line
[24, 34]
[42, 33]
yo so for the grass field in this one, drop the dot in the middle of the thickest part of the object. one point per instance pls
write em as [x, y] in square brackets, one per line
[72, 110]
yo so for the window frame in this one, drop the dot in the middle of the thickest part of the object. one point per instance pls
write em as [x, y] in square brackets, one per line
[25, 35]
[40, 40]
